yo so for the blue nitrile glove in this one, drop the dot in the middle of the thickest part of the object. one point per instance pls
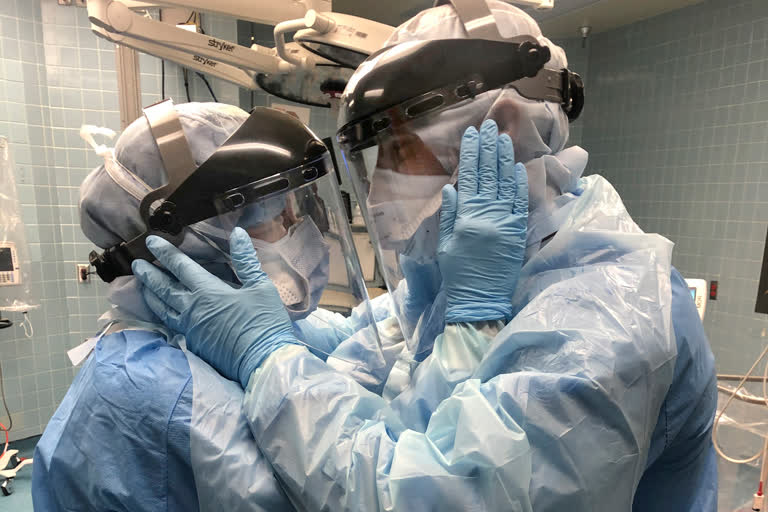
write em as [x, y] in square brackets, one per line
[483, 228]
[232, 329]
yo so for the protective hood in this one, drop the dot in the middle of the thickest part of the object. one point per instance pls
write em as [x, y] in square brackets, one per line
[402, 122]
[538, 129]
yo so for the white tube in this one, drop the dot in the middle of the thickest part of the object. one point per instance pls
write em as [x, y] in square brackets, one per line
[269, 12]
[115, 17]
[718, 417]
[283, 28]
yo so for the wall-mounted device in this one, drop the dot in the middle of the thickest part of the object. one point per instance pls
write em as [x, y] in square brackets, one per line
[9, 265]
[698, 288]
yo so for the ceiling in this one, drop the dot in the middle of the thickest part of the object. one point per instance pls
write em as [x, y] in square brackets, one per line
[562, 21]
[569, 16]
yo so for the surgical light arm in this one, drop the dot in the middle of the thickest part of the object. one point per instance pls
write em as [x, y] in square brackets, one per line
[269, 12]
[341, 38]
[116, 18]
[189, 60]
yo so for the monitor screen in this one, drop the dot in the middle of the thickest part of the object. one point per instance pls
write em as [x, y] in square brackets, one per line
[693, 293]
[6, 259]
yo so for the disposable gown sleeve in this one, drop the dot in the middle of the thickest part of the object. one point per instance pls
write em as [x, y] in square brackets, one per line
[323, 331]
[337, 446]
[558, 415]
[456, 354]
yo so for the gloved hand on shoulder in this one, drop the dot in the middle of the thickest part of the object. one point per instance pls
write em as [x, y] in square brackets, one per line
[232, 329]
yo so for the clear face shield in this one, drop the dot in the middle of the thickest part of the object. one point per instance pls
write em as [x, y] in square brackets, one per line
[403, 116]
[304, 245]
[274, 179]
[401, 171]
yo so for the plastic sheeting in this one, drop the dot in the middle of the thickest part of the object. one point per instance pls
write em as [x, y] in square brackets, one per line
[230, 472]
[16, 293]
[558, 414]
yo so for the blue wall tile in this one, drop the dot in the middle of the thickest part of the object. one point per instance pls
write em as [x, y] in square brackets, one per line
[678, 122]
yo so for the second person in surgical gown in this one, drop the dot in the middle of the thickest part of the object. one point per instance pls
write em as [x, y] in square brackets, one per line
[593, 390]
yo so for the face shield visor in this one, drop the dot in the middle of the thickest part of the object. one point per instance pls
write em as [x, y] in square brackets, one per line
[401, 144]
[304, 245]
[273, 178]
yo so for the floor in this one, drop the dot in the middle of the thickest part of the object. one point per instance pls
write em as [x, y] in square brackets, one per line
[21, 499]
[730, 478]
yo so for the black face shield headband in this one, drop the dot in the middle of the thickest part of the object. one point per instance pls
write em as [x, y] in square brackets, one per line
[269, 154]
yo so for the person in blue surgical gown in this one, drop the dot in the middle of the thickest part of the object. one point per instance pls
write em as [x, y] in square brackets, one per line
[551, 357]
[147, 425]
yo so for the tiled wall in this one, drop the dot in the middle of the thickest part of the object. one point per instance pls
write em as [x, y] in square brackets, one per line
[678, 122]
[36, 373]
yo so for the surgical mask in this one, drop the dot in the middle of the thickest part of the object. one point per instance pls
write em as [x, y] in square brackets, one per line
[399, 204]
[298, 266]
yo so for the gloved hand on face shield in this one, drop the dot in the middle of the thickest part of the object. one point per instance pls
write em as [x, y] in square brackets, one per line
[483, 228]
[233, 329]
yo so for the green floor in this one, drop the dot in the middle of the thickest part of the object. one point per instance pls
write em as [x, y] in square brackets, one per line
[21, 499]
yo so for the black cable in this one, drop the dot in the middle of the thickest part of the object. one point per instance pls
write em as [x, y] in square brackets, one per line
[186, 84]
[5, 404]
[253, 93]
[162, 65]
[210, 90]
[4, 322]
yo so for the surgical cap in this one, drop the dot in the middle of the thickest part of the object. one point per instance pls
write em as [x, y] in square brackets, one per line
[538, 129]
[442, 22]
[111, 194]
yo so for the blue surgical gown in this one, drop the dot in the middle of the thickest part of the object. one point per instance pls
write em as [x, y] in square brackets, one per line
[146, 426]
[598, 395]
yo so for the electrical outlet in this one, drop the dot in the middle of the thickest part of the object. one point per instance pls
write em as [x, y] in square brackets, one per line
[83, 272]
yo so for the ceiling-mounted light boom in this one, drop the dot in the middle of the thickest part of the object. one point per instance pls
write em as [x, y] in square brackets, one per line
[341, 38]
[188, 60]
[312, 70]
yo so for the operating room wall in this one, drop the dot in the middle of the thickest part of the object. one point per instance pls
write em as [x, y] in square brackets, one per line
[56, 75]
[677, 120]
[32, 372]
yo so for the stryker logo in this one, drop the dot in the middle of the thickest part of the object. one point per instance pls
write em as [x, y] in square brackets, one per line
[205, 61]
[221, 45]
